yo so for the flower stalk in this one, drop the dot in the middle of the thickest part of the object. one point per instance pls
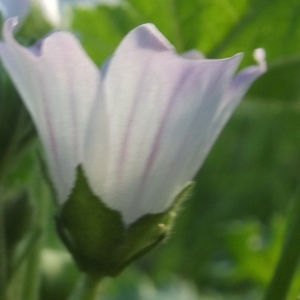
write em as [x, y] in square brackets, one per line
[88, 288]
[32, 274]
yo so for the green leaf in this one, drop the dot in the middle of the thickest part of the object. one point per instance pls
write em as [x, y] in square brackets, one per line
[100, 30]
[218, 28]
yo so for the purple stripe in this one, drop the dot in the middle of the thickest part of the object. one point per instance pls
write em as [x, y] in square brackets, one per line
[49, 128]
[127, 136]
[157, 140]
[73, 109]
[201, 146]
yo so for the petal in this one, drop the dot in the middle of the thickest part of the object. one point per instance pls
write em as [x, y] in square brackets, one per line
[159, 106]
[58, 84]
[236, 91]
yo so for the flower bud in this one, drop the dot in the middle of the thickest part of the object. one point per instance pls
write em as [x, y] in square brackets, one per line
[140, 128]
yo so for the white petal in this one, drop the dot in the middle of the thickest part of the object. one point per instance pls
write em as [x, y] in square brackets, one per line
[159, 106]
[59, 85]
[236, 91]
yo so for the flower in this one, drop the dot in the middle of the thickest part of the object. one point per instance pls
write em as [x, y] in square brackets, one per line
[140, 127]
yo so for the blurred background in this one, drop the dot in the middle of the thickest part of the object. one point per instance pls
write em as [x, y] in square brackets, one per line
[228, 236]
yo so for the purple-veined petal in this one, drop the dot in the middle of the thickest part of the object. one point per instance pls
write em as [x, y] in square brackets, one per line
[59, 85]
[230, 100]
[142, 127]
[160, 107]
[236, 91]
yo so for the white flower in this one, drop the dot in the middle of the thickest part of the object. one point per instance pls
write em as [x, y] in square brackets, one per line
[141, 127]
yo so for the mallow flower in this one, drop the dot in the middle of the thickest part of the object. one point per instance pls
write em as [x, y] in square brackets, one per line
[139, 128]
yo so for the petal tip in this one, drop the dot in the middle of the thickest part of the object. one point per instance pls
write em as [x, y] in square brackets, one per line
[259, 56]
[238, 56]
[148, 36]
[9, 26]
[11, 23]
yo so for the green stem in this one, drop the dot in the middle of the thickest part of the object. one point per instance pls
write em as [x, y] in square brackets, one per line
[287, 265]
[32, 274]
[22, 257]
[88, 288]
[3, 258]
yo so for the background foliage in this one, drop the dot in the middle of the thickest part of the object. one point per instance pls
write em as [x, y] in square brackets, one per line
[228, 237]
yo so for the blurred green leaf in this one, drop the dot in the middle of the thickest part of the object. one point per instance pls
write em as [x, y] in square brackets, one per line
[218, 28]
[281, 84]
[215, 27]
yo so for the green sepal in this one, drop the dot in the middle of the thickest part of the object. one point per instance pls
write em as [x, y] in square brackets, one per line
[101, 244]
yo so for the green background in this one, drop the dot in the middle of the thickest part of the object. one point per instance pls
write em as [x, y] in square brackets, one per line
[228, 236]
